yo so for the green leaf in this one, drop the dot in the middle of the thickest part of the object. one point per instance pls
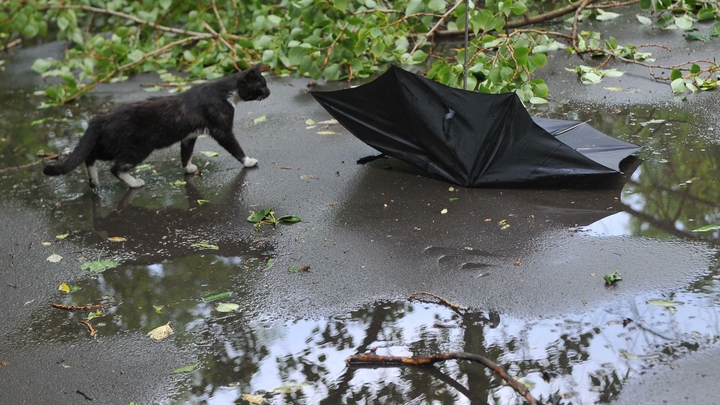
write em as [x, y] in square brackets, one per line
[518, 8]
[186, 369]
[664, 303]
[290, 219]
[643, 20]
[606, 15]
[98, 266]
[612, 277]
[217, 296]
[675, 74]
[340, 4]
[201, 202]
[707, 228]
[209, 153]
[684, 22]
[260, 119]
[413, 7]
[256, 217]
[538, 100]
[694, 69]
[42, 65]
[227, 307]
[678, 86]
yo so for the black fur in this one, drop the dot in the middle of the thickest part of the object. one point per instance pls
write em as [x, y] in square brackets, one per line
[130, 132]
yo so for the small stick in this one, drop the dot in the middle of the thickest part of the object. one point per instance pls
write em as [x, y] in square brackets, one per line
[92, 330]
[441, 299]
[436, 358]
[85, 307]
[87, 398]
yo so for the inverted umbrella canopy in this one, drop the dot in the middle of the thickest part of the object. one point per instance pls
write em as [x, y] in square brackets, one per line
[467, 138]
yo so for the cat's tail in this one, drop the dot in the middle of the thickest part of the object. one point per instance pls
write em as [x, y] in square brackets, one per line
[78, 155]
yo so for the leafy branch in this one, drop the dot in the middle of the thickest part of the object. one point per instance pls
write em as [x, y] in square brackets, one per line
[339, 40]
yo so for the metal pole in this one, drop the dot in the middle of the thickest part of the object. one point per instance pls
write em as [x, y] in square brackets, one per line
[465, 63]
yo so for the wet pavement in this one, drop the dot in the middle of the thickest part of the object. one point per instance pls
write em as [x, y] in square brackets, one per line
[528, 263]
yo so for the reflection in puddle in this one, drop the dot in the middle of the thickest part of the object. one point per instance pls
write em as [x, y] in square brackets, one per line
[587, 356]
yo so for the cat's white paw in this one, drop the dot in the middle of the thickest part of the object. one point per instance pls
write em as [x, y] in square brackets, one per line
[249, 162]
[131, 181]
[190, 168]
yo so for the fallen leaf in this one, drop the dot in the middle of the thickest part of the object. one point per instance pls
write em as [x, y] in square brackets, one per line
[186, 369]
[117, 239]
[260, 119]
[227, 307]
[253, 399]
[3, 363]
[665, 303]
[205, 246]
[209, 153]
[98, 266]
[142, 167]
[54, 258]
[46, 243]
[329, 122]
[306, 177]
[504, 227]
[61, 236]
[613, 88]
[309, 121]
[326, 133]
[444, 211]
[518, 262]
[214, 297]
[706, 228]
[158, 308]
[178, 183]
[289, 387]
[201, 202]
[161, 332]
[64, 288]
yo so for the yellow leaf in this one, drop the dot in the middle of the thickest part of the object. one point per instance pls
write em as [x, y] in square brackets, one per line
[117, 239]
[444, 211]
[326, 133]
[161, 332]
[61, 236]
[253, 399]
[64, 288]
[309, 121]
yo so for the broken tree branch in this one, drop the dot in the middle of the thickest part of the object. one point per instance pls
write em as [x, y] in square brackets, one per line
[439, 298]
[371, 357]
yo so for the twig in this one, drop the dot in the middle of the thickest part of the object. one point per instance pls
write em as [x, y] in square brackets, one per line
[92, 330]
[218, 37]
[435, 27]
[436, 358]
[439, 298]
[11, 44]
[579, 10]
[217, 15]
[330, 48]
[85, 307]
[25, 166]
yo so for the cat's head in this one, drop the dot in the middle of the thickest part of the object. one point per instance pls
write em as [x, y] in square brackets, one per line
[251, 84]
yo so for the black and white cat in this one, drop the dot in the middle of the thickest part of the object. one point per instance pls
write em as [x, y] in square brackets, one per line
[128, 133]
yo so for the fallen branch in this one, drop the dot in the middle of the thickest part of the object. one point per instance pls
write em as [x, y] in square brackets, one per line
[11, 44]
[439, 298]
[579, 10]
[436, 358]
[435, 27]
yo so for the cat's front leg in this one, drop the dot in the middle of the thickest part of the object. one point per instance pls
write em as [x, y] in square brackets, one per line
[227, 140]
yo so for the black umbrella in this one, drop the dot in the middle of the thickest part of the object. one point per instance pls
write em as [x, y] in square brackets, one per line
[471, 139]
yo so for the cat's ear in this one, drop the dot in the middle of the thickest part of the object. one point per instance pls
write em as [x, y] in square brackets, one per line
[257, 67]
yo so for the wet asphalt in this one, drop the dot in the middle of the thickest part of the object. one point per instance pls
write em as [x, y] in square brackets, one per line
[369, 233]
